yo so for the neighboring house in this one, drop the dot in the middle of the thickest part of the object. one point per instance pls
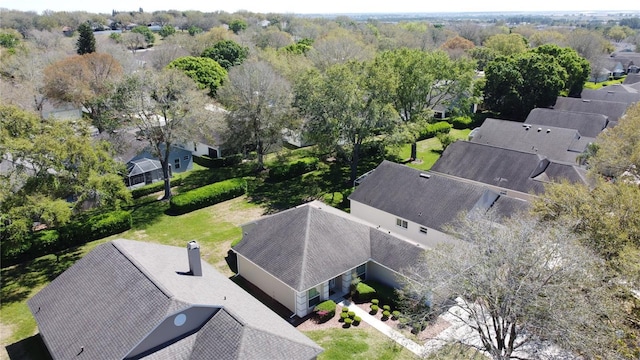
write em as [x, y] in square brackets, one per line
[520, 174]
[611, 109]
[133, 300]
[633, 79]
[554, 143]
[419, 205]
[63, 111]
[587, 124]
[618, 93]
[180, 160]
[296, 138]
[201, 147]
[307, 254]
[141, 172]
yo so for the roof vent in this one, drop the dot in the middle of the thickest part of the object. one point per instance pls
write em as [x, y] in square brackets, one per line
[586, 100]
[548, 131]
[426, 176]
[195, 264]
[539, 129]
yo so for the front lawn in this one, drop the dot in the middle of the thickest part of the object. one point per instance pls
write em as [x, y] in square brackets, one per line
[357, 343]
[429, 150]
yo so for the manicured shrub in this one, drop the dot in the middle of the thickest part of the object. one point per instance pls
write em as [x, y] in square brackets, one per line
[395, 314]
[356, 320]
[364, 292]
[387, 308]
[374, 309]
[432, 130]
[461, 122]
[343, 316]
[375, 301]
[386, 314]
[215, 163]
[207, 195]
[345, 309]
[347, 322]
[402, 323]
[287, 171]
[325, 311]
[351, 314]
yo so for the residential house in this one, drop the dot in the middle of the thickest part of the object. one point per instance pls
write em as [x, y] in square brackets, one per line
[309, 253]
[517, 173]
[587, 124]
[611, 109]
[136, 300]
[633, 79]
[554, 143]
[419, 205]
[618, 93]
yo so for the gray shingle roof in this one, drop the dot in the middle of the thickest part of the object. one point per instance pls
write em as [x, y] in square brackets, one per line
[509, 169]
[111, 299]
[552, 142]
[587, 124]
[611, 109]
[313, 243]
[141, 166]
[617, 93]
[432, 202]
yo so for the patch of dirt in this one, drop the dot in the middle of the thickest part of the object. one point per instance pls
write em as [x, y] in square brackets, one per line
[5, 332]
[433, 330]
[237, 214]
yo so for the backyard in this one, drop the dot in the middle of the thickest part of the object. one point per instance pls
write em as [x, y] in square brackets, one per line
[215, 228]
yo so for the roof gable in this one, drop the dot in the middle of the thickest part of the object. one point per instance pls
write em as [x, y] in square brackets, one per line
[613, 110]
[121, 293]
[428, 199]
[618, 93]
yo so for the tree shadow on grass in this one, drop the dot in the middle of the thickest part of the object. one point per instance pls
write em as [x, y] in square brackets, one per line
[31, 348]
[147, 211]
[19, 281]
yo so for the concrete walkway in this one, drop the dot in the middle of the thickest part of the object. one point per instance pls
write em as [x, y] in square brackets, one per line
[383, 328]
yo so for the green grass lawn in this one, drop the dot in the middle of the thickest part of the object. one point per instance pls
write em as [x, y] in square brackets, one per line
[595, 86]
[429, 150]
[357, 343]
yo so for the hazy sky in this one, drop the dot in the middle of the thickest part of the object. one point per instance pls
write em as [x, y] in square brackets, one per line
[321, 6]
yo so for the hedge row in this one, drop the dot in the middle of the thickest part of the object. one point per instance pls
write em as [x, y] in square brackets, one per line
[75, 233]
[461, 122]
[207, 195]
[364, 292]
[287, 171]
[153, 188]
[325, 310]
[214, 163]
[432, 130]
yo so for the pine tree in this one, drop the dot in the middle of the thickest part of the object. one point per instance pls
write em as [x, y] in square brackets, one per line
[86, 42]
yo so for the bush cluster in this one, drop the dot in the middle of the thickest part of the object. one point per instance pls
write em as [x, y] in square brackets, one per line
[325, 311]
[461, 122]
[77, 232]
[432, 130]
[153, 188]
[287, 171]
[215, 163]
[207, 195]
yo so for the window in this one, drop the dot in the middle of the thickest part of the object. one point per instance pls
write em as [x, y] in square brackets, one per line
[177, 163]
[314, 297]
[361, 271]
[423, 229]
[402, 223]
[186, 158]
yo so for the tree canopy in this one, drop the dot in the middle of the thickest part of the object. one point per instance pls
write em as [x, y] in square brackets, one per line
[149, 36]
[576, 67]
[518, 284]
[227, 53]
[519, 83]
[206, 72]
[55, 168]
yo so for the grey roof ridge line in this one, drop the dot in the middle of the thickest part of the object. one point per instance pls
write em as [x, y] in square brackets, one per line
[143, 270]
[306, 246]
[488, 186]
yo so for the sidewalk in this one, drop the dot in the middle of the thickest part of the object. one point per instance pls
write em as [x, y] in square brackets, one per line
[383, 328]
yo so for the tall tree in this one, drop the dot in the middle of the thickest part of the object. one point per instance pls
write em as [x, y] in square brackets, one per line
[507, 44]
[517, 284]
[517, 84]
[259, 101]
[165, 107]
[345, 107]
[54, 168]
[84, 80]
[420, 81]
[576, 67]
[86, 41]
